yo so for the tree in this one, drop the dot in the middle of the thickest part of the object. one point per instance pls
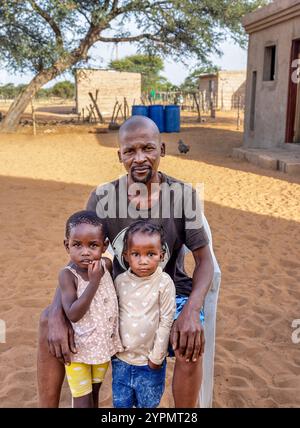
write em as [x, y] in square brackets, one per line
[63, 89]
[191, 83]
[148, 65]
[49, 37]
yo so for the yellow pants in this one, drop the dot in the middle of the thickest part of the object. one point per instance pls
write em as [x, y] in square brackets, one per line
[82, 376]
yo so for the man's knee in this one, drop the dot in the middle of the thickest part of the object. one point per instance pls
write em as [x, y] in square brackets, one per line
[190, 368]
[43, 324]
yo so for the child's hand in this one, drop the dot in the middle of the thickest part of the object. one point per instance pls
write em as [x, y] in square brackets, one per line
[95, 272]
[154, 366]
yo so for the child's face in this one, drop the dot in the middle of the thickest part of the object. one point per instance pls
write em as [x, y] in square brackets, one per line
[85, 244]
[144, 253]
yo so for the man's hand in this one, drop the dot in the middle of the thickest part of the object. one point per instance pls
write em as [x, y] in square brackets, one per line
[187, 334]
[95, 272]
[153, 366]
[60, 336]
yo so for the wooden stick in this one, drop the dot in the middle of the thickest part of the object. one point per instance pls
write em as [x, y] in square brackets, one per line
[93, 112]
[94, 100]
[90, 114]
[117, 113]
[114, 110]
[125, 108]
[238, 116]
[33, 117]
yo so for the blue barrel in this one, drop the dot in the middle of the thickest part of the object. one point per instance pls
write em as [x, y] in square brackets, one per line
[139, 110]
[172, 118]
[156, 113]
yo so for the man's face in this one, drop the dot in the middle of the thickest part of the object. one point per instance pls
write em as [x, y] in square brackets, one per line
[140, 153]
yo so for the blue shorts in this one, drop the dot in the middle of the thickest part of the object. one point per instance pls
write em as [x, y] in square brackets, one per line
[137, 386]
[180, 302]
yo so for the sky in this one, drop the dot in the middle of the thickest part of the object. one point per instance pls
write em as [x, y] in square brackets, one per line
[233, 58]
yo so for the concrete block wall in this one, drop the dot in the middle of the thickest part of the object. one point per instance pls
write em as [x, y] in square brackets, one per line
[228, 87]
[231, 86]
[277, 24]
[112, 85]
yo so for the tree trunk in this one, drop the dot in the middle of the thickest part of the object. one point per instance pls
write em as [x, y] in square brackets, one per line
[18, 106]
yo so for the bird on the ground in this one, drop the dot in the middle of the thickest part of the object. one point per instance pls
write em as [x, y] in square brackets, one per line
[182, 147]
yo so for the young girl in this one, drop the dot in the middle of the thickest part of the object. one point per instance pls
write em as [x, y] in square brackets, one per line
[147, 306]
[89, 301]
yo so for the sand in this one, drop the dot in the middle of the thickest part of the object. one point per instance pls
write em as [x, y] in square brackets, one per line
[255, 219]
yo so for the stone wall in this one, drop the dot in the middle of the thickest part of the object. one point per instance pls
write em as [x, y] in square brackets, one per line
[112, 85]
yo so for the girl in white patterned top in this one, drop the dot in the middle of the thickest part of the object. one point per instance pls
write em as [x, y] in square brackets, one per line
[90, 302]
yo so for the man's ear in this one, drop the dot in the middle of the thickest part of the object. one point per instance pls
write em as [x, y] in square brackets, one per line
[66, 244]
[162, 150]
[162, 256]
[119, 156]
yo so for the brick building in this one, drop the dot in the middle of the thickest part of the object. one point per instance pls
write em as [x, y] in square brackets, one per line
[272, 116]
[225, 89]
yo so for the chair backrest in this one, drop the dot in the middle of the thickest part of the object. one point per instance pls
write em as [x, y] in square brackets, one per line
[210, 311]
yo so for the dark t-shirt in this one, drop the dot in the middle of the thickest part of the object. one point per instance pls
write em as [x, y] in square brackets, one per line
[176, 211]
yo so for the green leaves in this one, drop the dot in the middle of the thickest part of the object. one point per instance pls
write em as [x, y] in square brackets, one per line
[148, 65]
[35, 34]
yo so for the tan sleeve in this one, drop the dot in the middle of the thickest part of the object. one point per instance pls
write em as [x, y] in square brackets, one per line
[167, 307]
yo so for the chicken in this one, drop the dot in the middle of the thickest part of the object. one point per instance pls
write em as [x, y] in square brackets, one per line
[183, 148]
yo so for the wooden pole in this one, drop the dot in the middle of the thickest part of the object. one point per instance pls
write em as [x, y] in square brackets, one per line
[33, 117]
[238, 116]
[94, 100]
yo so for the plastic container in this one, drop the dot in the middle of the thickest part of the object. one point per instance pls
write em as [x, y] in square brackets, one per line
[156, 113]
[172, 118]
[139, 110]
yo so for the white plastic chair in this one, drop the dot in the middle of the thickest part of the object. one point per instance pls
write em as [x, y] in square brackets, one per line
[210, 311]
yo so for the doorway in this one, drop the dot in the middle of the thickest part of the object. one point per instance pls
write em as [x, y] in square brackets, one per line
[293, 110]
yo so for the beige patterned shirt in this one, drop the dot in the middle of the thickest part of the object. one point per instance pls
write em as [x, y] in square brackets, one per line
[97, 332]
[146, 313]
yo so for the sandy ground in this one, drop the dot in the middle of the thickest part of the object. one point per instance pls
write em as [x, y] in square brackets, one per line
[255, 219]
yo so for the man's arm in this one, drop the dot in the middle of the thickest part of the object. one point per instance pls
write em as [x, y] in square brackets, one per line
[60, 332]
[187, 333]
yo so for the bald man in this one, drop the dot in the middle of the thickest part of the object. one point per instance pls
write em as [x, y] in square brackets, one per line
[140, 150]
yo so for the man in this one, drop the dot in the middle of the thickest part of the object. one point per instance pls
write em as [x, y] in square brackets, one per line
[140, 191]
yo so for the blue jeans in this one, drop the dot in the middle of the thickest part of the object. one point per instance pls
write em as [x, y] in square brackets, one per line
[180, 302]
[137, 386]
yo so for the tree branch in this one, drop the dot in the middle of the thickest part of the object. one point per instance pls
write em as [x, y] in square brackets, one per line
[50, 20]
[128, 39]
[114, 5]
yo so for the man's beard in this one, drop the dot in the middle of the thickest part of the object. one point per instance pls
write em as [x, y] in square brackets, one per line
[143, 180]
